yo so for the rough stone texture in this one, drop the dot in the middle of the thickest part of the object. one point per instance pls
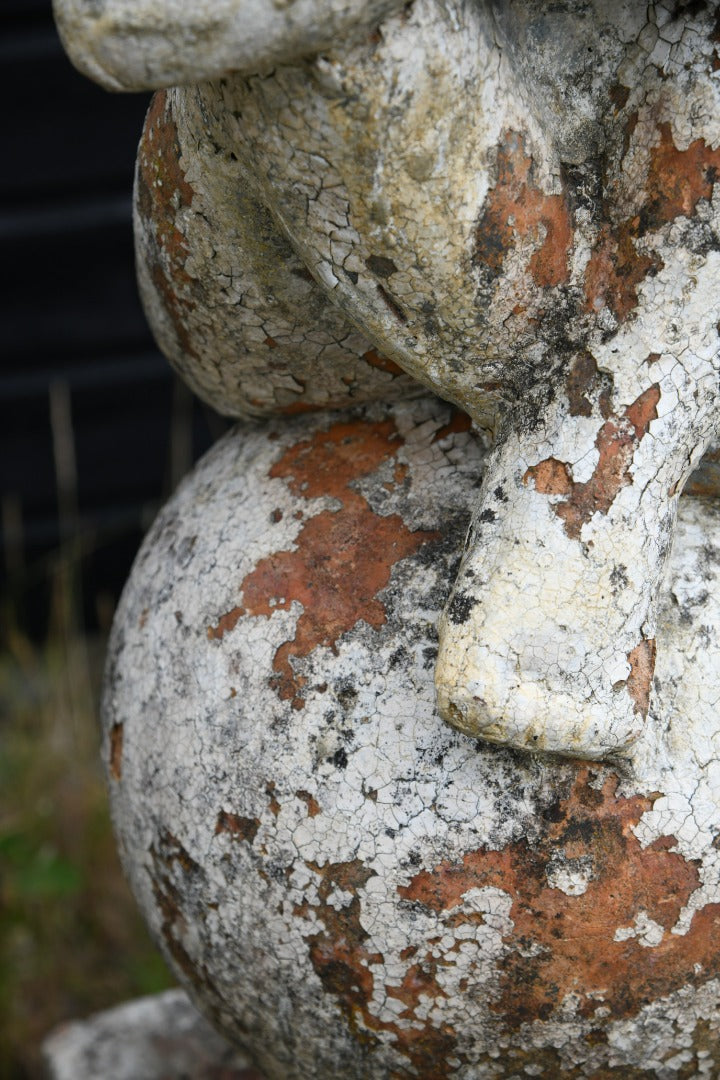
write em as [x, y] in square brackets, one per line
[154, 1038]
[349, 887]
[516, 204]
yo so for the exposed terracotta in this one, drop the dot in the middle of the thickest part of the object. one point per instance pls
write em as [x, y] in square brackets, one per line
[517, 207]
[162, 192]
[341, 558]
[642, 668]
[412, 897]
[244, 828]
[616, 442]
[676, 181]
[374, 359]
[313, 806]
[564, 944]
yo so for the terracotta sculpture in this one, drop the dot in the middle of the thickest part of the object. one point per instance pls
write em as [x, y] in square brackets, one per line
[347, 886]
[515, 205]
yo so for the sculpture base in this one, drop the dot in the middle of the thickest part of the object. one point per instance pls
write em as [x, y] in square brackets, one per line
[162, 1037]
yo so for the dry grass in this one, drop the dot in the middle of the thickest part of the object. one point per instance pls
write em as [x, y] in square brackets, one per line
[71, 941]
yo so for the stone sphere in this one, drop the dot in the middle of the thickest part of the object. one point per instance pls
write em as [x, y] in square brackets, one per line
[348, 887]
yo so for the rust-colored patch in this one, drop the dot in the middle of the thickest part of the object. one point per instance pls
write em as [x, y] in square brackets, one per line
[516, 207]
[338, 953]
[676, 181]
[167, 902]
[615, 269]
[420, 980]
[116, 751]
[550, 477]
[273, 805]
[643, 410]
[163, 189]
[374, 359]
[225, 623]
[562, 944]
[313, 806]
[162, 192]
[580, 379]
[642, 669]
[243, 828]
[169, 851]
[168, 858]
[616, 442]
[343, 962]
[584, 386]
[616, 446]
[342, 558]
[458, 422]
[400, 473]
[630, 128]
[270, 342]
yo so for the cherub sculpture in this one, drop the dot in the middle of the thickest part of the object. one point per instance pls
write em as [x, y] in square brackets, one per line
[512, 203]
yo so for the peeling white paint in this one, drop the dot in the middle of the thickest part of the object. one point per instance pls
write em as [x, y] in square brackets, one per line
[488, 196]
[406, 797]
[517, 205]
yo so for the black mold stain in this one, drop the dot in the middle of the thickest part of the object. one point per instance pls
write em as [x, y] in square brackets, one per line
[380, 266]
[460, 607]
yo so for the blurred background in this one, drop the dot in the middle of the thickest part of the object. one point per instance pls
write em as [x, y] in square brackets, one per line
[95, 433]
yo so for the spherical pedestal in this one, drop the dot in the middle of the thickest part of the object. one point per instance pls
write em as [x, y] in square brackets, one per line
[348, 887]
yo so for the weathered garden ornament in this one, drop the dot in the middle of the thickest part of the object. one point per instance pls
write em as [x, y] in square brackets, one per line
[516, 205]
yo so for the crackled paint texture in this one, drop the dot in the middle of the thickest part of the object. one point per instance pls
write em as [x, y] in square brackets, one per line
[349, 887]
[513, 203]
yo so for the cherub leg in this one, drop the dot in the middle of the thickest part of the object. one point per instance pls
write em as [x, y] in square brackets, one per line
[548, 639]
[229, 301]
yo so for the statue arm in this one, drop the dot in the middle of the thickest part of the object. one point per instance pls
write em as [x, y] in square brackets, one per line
[148, 44]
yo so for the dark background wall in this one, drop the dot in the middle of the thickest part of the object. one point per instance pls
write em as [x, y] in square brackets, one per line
[94, 429]
[94, 434]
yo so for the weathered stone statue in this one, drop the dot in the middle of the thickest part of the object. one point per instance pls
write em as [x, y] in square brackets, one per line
[514, 204]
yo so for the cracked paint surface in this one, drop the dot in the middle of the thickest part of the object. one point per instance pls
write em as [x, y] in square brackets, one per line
[233, 308]
[511, 203]
[341, 558]
[354, 889]
[515, 205]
